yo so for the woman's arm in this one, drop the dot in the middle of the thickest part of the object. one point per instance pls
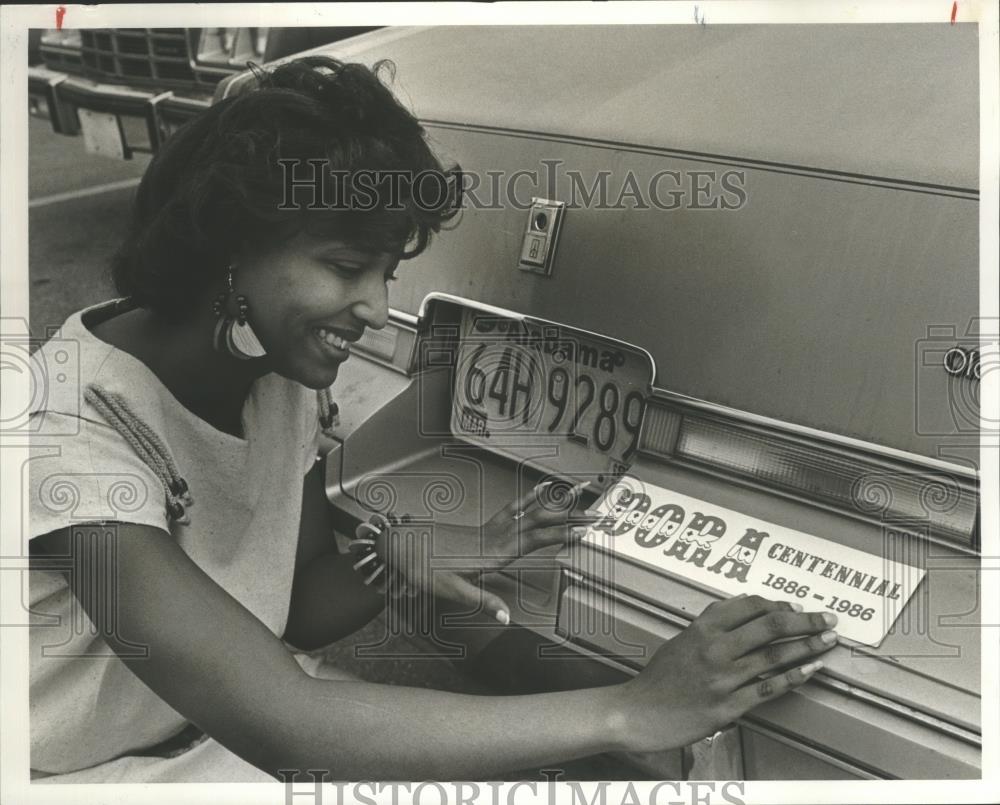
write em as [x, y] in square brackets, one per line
[217, 665]
[329, 600]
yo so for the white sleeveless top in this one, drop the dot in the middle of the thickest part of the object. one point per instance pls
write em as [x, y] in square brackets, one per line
[86, 706]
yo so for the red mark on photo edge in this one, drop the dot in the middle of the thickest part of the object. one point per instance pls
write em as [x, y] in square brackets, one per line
[954, 11]
[61, 12]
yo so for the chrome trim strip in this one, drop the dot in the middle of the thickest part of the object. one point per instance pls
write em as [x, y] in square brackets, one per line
[808, 171]
[821, 677]
[902, 710]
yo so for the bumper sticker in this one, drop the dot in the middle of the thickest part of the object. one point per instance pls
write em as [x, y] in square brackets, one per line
[734, 553]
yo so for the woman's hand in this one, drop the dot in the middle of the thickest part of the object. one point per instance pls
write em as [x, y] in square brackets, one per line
[447, 560]
[549, 514]
[724, 664]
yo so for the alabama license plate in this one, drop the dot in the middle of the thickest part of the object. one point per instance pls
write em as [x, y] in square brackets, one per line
[523, 387]
[102, 133]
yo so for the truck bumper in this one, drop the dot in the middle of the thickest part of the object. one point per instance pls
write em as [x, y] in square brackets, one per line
[146, 118]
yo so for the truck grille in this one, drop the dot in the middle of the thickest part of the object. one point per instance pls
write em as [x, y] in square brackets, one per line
[138, 55]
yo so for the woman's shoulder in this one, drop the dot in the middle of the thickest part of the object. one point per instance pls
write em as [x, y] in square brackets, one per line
[73, 358]
[81, 467]
[83, 471]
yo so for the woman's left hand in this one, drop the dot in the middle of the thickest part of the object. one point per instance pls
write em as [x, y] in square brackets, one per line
[447, 560]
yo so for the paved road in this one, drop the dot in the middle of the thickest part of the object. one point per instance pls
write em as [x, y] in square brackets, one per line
[77, 219]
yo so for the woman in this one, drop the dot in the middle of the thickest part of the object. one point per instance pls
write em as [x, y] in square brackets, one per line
[167, 513]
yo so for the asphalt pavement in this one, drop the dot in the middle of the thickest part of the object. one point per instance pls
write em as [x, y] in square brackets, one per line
[78, 213]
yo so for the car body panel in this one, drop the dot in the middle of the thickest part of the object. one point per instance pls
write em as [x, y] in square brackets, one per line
[809, 321]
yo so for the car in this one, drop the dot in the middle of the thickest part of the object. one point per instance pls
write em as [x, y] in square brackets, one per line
[728, 275]
[125, 90]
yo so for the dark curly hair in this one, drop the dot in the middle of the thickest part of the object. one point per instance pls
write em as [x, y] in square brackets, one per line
[215, 187]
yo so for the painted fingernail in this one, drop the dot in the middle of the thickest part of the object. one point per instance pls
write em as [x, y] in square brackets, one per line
[829, 636]
[829, 619]
[503, 616]
[796, 606]
[811, 668]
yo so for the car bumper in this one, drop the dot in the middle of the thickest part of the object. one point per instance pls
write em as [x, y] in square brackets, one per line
[147, 117]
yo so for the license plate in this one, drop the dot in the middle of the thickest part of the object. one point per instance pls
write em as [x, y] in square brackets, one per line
[530, 389]
[102, 133]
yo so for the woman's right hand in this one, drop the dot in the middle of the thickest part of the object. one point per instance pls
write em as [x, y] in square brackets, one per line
[710, 674]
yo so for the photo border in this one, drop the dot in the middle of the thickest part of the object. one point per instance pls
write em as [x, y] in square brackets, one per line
[14, 23]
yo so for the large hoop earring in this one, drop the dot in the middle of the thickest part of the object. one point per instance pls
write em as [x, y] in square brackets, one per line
[233, 333]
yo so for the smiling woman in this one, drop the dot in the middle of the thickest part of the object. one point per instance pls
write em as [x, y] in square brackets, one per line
[196, 386]
[182, 474]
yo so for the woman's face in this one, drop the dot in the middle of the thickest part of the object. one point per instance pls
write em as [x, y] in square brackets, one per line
[309, 297]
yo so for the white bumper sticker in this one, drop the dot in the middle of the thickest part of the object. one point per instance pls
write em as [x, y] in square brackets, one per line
[733, 553]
